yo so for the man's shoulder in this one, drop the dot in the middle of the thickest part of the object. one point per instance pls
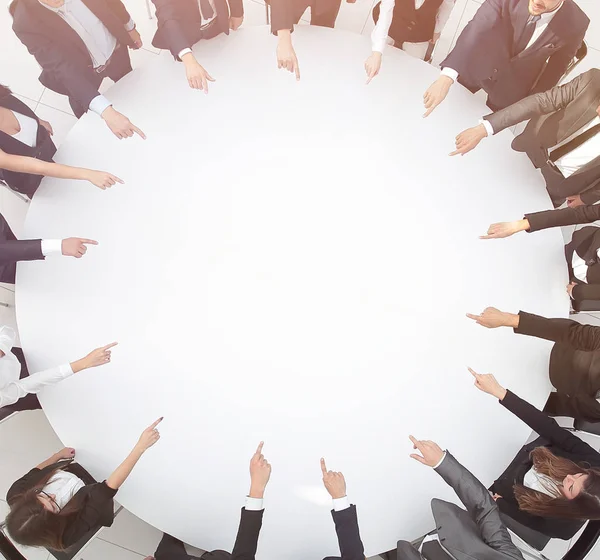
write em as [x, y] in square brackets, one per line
[575, 14]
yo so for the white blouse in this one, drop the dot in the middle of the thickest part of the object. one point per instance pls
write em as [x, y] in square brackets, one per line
[63, 485]
[29, 130]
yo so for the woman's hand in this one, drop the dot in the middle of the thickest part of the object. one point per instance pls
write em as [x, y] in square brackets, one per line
[66, 453]
[95, 358]
[149, 436]
[505, 229]
[102, 179]
[487, 383]
[373, 65]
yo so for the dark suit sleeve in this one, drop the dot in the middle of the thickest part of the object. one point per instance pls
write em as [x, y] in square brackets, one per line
[169, 26]
[544, 103]
[565, 331]
[74, 78]
[119, 9]
[14, 251]
[547, 427]
[563, 217]
[485, 18]
[582, 407]
[480, 505]
[236, 8]
[348, 533]
[282, 15]
[246, 541]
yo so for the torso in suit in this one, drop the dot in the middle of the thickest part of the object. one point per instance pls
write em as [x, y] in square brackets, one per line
[66, 63]
[574, 364]
[563, 444]
[287, 13]
[409, 24]
[556, 115]
[96, 499]
[12, 250]
[485, 57]
[180, 23]
[45, 149]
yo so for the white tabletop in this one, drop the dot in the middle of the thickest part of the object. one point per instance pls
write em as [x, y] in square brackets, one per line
[292, 262]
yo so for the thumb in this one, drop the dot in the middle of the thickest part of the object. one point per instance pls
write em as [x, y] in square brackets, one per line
[418, 458]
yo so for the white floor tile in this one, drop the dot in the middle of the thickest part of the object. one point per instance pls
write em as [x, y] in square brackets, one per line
[61, 122]
[353, 17]
[130, 532]
[102, 550]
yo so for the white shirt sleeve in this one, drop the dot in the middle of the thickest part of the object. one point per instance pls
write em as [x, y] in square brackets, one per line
[14, 390]
[443, 15]
[488, 126]
[340, 504]
[51, 247]
[450, 73]
[99, 104]
[440, 461]
[380, 33]
[184, 52]
[254, 504]
[130, 25]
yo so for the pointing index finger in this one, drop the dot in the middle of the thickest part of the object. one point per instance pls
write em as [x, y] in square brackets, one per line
[323, 467]
[88, 241]
[156, 423]
[473, 372]
[259, 448]
[109, 345]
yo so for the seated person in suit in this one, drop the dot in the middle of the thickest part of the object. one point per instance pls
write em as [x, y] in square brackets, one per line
[287, 13]
[182, 23]
[553, 484]
[79, 43]
[511, 49]
[54, 505]
[246, 542]
[562, 138]
[412, 24]
[574, 359]
[477, 532]
[26, 150]
[13, 250]
[583, 252]
[18, 388]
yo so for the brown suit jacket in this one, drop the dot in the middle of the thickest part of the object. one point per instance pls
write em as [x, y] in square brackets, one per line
[555, 115]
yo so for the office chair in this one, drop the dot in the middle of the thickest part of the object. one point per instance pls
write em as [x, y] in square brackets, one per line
[579, 56]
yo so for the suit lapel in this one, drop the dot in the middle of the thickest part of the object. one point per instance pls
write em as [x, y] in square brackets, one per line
[8, 142]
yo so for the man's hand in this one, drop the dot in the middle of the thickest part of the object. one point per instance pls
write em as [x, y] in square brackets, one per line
[487, 383]
[120, 125]
[66, 453]
[575, 201]
[431, 453]
[334, 482]
[492, 318]
[372, 65]
[135, 37]
[260, 473]
[286, 55]
[505, 229]
[570, 289]
[47, 126]
[468, 139]
[102, 179]
[436, 93]
[98, 357]
[235, 22]
[76, 246]
[197, 76]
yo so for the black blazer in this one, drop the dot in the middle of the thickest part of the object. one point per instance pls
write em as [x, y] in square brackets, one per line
[96, 499]
[346, 527]
[562, 443]
[13, 250]
[45, 149]
[66, 64]
[485, 57]
[180, 23]
[574, 364]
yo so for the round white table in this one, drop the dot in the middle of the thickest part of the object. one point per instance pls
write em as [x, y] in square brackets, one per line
[289, 262]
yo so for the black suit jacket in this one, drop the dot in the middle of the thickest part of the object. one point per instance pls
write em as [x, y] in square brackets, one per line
[561, 442]
[13, 250]
[44, 149]
[66, 64]
[348, 533]
[180, 23]
[485, 57]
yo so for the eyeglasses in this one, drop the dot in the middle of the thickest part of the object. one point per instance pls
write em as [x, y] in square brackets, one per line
[48, 497]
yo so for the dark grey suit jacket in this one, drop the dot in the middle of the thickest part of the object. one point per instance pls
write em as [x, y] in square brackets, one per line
[555, 115]
[13, 250]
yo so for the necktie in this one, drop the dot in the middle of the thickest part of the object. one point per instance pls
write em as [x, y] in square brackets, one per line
[433, 551]
[527, 33]
[574, 143]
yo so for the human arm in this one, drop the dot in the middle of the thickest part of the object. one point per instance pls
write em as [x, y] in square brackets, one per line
[65, 453]
[148, 438]
[286, 55]
[282, 16]
[236, 14]
[196, 75]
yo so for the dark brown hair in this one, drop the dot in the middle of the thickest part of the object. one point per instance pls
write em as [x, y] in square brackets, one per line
[29, 523]
[586, 505]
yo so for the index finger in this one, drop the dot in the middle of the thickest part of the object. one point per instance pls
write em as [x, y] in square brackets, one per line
[88, 241]
[259, 448]
[138, 131]
[297, 70]
[109, 345]
[429, 111]
[156, 423]
[474, 317]
[323, 467]
[473, 372]
[116, 178]
[455, 152]
[415, 442]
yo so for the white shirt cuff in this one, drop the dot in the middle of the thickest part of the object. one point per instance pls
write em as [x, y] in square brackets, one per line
[51, 247]
[99, 104]
[488, 127]
[379, 45]
[450, 73]
[65, 370]
[440, 461]
[340, 504]
[184, 52]
[254, 504]
[130, 25]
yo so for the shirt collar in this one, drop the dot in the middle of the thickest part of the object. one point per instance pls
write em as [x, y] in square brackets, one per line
[547, 17]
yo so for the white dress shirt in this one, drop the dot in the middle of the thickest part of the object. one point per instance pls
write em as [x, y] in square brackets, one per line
[64, 485]
[98, 40]
[51, 247]
[386, 13]
[28, 130]
[254, 504]
[11, 387]
[540, 27]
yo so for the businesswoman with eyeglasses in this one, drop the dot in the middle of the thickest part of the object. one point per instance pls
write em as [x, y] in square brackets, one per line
[57, 503]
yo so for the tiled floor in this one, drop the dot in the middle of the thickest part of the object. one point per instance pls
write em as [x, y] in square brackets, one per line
[27, 439]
